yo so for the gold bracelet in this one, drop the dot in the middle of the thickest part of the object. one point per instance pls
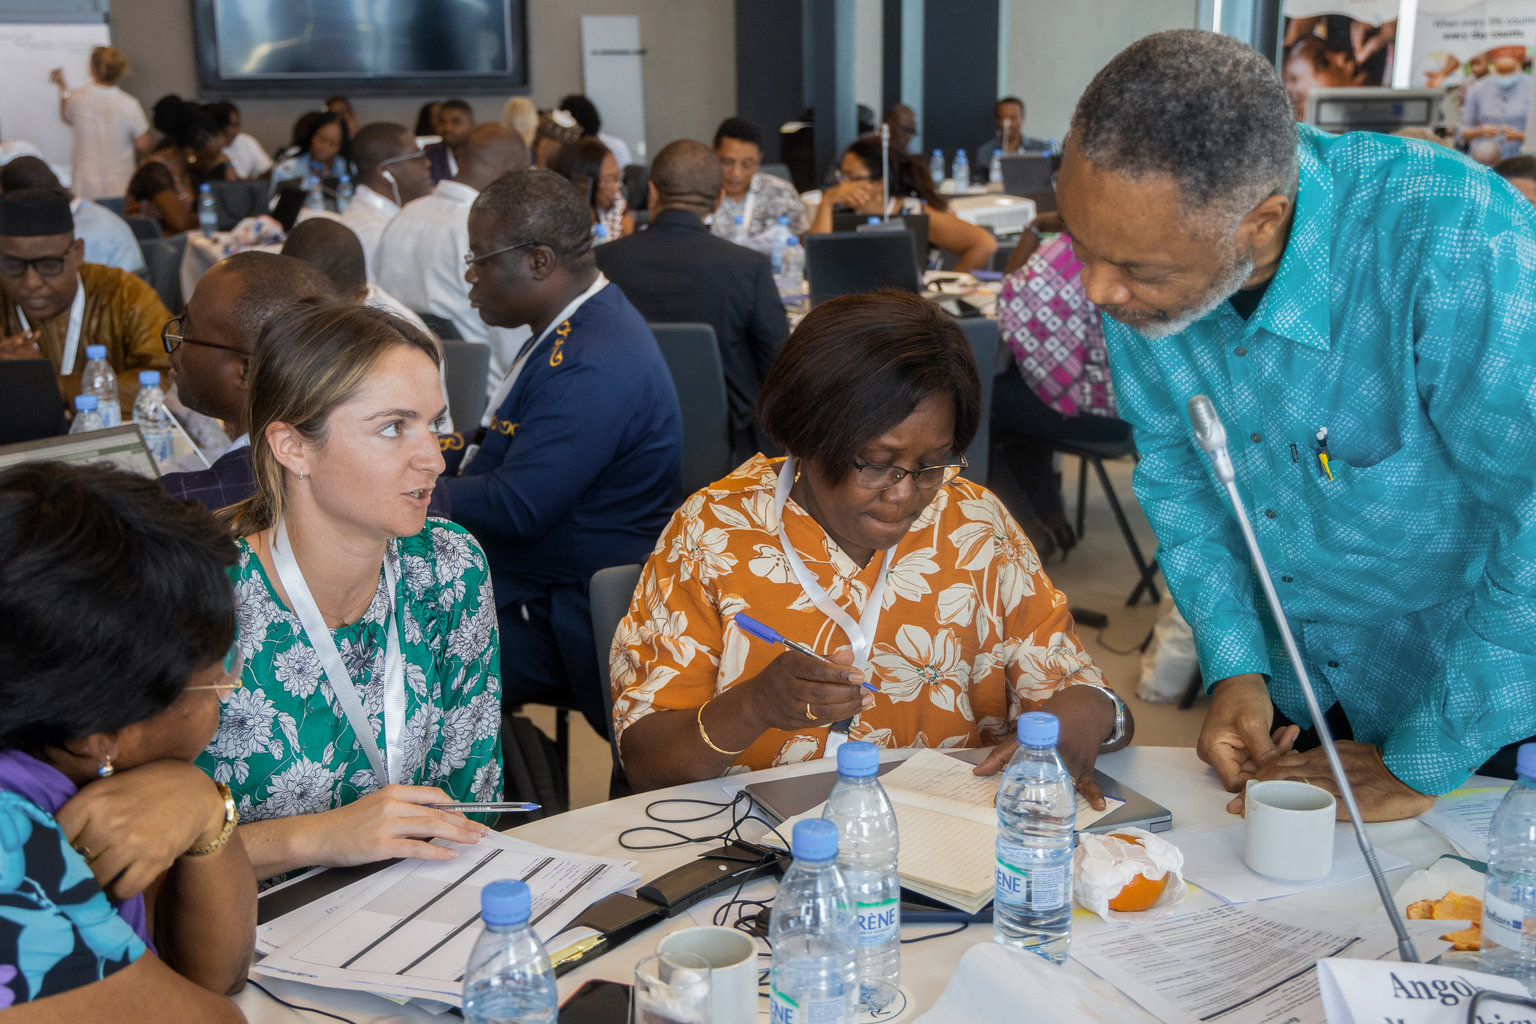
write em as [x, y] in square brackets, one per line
[231, 819]
[705, 736]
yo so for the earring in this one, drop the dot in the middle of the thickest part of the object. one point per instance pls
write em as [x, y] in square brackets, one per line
[301, 474]
[105, 769]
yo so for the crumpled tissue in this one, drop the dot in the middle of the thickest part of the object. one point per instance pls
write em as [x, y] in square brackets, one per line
[1103, 865]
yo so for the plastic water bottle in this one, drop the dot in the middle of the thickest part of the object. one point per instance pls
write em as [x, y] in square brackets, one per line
[1509, 894]
[99, 380]
[599, 233]
[739, 230]
[87, 418]
[791, 277]
[207, 213]
[995, 168]
[151, 416]
[344, 192]
[866, 854]
[314, 192]
[778, 237]
[1036, 808]
[815, 976]
[936, 167]
[509, 980]
[962, 171]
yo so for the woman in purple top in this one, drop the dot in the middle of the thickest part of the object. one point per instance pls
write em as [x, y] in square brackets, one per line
[117, 642]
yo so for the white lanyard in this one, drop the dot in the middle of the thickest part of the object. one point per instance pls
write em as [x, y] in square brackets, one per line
[72, 335]
[861, 634]
[347, 691]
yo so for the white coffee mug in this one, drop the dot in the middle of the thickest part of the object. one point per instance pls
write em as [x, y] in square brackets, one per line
[1289, 830]
[732, 957]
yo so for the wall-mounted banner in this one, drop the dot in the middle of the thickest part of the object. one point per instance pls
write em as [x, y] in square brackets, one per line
[1481, 51]
[1333, 43]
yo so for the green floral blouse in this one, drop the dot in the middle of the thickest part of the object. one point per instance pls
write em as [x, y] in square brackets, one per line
[284, 745]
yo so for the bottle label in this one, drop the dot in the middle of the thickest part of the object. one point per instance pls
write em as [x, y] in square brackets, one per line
[1038, 887]
[784, 1010]
[879, 922]
[1503, 921]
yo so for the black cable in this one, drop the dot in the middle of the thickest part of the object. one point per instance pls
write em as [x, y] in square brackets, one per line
[1140, 648]
[742, 808]
[937, 935]
[295, 1006]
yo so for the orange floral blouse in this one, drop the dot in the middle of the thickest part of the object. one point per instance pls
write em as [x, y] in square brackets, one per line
[971, 633]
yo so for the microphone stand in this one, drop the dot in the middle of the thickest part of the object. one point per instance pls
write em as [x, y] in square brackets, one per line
[885, 172]
[1212, 438]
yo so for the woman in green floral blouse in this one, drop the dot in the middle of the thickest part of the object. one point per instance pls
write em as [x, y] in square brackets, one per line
[345, 402]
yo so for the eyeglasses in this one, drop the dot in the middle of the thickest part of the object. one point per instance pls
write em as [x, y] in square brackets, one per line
[420, 154]
[470, 259]
[172, 338]
[46, 266]
[843, 176]
[876, 477]
[231, 680]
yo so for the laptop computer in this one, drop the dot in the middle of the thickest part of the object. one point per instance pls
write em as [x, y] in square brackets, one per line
[120, 447]
[844, 263]
[30, 406]
[917, 223]
[1033, 176]
[785, 798]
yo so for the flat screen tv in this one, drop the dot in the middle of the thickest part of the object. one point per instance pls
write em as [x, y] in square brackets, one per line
[276, 47]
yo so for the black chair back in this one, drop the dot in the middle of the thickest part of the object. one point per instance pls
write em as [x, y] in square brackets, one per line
[610, 594]
[144, 228]
[237, 200]
[162, 257]
[466, 371]
[693, 356]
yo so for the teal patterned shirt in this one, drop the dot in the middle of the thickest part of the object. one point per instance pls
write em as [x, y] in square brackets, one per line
[284, 745]
[1402, 318]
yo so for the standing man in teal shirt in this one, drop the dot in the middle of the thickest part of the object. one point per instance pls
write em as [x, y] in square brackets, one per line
[1383, 289]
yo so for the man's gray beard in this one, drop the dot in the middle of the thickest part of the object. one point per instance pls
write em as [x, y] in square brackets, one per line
[1222, 289]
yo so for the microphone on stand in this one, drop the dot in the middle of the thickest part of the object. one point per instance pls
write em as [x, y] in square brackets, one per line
[1211, 436]
[885, 172]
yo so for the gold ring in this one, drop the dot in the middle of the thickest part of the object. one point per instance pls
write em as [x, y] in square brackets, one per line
[84, 851]
[808, 713]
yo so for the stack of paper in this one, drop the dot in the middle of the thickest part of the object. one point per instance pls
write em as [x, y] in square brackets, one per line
[1464, 817]
[406, 932]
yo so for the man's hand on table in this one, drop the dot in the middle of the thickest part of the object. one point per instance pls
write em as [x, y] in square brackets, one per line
[1236, 739]
[1380, 794]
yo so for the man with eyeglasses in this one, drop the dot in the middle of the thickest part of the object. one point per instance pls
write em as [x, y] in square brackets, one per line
[391, 172]
[577, 464]
[758, 199]
[56, 304]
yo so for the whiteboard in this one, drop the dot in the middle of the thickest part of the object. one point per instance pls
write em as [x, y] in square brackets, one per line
[29, 103]
[612, 78]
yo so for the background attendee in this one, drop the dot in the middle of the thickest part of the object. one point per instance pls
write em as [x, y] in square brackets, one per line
[676, 271]
[455, 119]
[520, 117]
[588, 164]
[557, 129]
[110, 126]
[1519, 171]
[758, 199]
[586, 115]
[210, 346]
[593, 467]
[1496, 107]
[426, 118]
[99, 799]
[391, 172]
[320, 147]
[44, 279]
[164, 188]
[1008, 112]
[109, 240]
[875, 397]
[421, 255]
[344, 402]
[245, 154]
[342, 107]
[911, 191]
[902, 121]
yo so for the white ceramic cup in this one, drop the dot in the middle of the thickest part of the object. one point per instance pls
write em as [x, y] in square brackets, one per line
[1289, 830]
[732, 957]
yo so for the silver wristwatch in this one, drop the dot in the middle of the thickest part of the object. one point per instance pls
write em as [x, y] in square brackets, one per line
[1121, 713]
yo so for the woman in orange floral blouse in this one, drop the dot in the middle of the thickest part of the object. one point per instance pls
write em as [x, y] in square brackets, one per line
[866, 546]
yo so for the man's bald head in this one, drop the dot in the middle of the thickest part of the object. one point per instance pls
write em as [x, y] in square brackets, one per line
[489, 152]
[332, 248]
[378, 142]
[265, 284]
[686, 176]
[27, 172]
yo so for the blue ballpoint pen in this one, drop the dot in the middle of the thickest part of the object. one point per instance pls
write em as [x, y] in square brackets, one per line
[752, 627]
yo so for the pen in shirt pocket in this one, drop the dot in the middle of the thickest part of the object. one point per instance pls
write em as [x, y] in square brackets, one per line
[752, 627]
[1322, 451]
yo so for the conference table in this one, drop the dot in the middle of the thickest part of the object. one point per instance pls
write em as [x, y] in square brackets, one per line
[1172, 776]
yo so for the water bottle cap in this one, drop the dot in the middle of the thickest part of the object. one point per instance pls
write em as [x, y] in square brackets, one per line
[858, 759]
[204, 187]
[784, 220]
[95, 351]
[792, 240]
[814, 839]
[345, 176]
[149, 378]
[506, 903]
[738, 218]
[1038, 729]
[938, 152]
[1525, 760]
[84, 403]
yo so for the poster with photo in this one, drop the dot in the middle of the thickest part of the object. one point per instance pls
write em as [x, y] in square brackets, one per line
[1480, 51]
[1334, 43]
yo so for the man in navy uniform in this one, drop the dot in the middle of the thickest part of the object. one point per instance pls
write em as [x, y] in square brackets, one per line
[578, 463]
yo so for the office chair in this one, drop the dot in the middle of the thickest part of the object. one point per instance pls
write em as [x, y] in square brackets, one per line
[693, 355]
[611, 591]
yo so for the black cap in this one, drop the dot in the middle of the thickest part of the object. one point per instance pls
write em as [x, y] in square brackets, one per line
[31, 212]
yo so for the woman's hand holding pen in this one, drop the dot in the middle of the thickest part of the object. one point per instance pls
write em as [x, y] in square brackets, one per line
[797, 691]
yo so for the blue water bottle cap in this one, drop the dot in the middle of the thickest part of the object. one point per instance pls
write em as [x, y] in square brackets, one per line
[345, 176]
[858, 759]
[784, 219]
[149, 378]
[792, 240]
[204, 187]
[84, 402]
[95, 351]
[1038, 729]
[506, 903]
[1525, 760]
[814, 839]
